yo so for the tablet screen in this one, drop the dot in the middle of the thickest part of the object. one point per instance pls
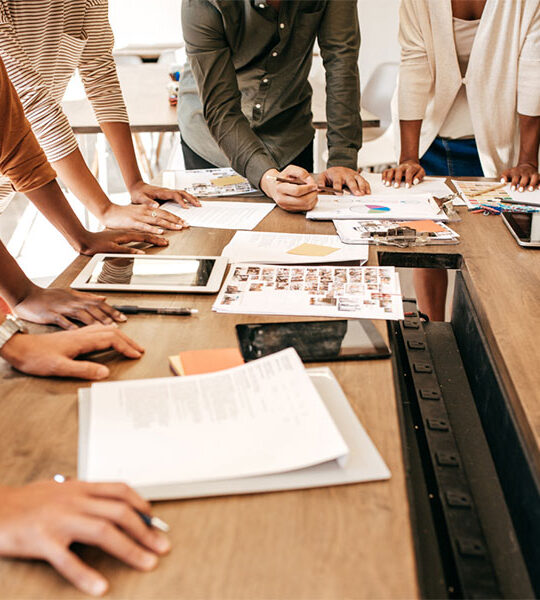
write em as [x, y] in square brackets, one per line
[152, 271]
[525, 225]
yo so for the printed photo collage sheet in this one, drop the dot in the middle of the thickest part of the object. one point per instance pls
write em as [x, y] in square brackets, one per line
[322, 291]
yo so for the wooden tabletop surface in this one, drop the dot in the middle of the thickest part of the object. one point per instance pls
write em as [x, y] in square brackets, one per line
[145, 92]
[339, 542]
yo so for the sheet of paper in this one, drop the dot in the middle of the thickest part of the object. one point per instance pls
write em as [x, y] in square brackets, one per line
[346, 292]
[431, 186]
[526, 197]
[275, 248]
[219, 214]
[315, 250]
[361, 232]
[262, 417]
[208, 182]
[402, 208]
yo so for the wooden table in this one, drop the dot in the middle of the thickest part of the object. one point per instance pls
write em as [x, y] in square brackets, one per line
[145, 92]
[350, 541]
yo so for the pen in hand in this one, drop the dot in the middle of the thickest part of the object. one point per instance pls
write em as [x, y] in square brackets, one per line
[298, 181]
[154, 522]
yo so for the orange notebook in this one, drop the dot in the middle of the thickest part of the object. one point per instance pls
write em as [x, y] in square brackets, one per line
[195, 362]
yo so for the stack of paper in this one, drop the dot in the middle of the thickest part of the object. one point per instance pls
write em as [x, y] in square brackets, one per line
[402, 208]
[290, 248]
[218, 214]
[208, 182]
[245, 429]
[346, 292]
[362, 232]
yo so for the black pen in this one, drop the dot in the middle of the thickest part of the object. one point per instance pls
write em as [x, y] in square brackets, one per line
[155, 522]
[130, 309]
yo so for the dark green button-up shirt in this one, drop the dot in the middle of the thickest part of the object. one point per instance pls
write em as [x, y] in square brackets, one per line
[250, 64]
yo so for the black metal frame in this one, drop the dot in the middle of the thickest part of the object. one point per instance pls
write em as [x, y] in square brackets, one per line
[464, 536]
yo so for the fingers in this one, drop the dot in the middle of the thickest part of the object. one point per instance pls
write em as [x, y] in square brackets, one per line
[534, 183]
[91, 310]
[103, 534]
[80, 369]
[363, 185]
[298, 172]
[115, 315]
[352, 184]
[514, 181]
[118, 491]
[83, 577]
[94, 338]
[408, 173]
[181, 197]
[505, 176]
[166, 219]
[388, 177]
[62, 322]
[128, 237]
[125, 517]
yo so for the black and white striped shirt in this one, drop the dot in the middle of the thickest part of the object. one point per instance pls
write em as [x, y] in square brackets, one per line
[42, 43]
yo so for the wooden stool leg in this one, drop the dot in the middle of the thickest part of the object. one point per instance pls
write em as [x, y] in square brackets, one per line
[142, 156]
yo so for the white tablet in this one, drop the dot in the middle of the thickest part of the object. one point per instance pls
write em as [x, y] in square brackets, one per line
[144, 273]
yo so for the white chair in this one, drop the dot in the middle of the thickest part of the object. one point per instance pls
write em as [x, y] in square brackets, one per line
[378, 153]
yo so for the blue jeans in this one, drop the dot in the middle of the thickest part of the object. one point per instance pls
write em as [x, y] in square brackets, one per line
[454, 158]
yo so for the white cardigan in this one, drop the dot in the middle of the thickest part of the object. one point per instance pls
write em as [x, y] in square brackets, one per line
[502, 79]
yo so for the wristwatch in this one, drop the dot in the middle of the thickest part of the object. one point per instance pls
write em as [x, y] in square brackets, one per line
[9, 328]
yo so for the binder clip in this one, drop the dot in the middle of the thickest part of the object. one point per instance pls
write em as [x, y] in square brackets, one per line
[402, 237]
[446, 206]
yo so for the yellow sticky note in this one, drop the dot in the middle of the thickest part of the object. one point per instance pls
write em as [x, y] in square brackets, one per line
[312, 250]
[228, 180]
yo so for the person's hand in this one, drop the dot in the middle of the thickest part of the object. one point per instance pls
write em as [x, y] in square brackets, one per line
[341, 177]
[53, 354]
[144, 193]
[110, 241]
[41, 520]
[522, 177]
[409, 171]
[51, 306]
[289, 196]
[142, 217]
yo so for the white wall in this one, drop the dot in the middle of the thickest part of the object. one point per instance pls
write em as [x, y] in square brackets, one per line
[379, 22]
[145, 22]
[158, 22]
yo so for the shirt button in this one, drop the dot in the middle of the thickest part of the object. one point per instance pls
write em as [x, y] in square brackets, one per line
[274, 54]
[265, 80]
[262, 6]
[282, 25]
[258, 106]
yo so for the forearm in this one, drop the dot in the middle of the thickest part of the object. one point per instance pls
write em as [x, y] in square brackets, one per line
[51, 202]
[529, 129]
[14, 284]
[410, 140]
[121, 142]
[76, 175]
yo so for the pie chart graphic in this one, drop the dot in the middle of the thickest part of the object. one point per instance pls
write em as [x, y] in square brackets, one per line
[375, 208]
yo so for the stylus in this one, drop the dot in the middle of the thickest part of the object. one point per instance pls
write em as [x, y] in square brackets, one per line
[129, 309]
